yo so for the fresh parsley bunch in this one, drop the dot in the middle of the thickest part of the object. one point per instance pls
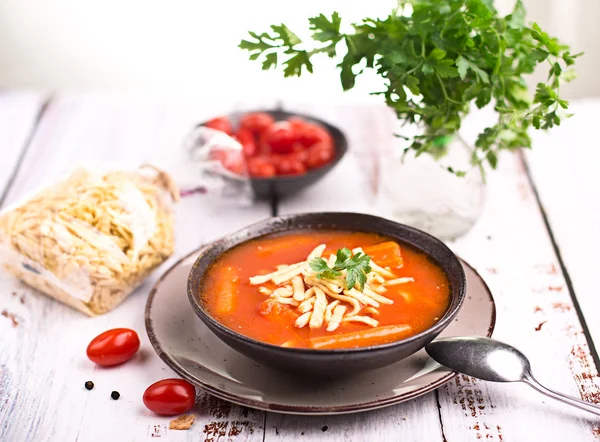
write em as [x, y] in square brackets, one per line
[357, 266]
[438, 57]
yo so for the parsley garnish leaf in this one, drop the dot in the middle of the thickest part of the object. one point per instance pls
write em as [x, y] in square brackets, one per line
[356, 267]
[341, 256]
[319, 265]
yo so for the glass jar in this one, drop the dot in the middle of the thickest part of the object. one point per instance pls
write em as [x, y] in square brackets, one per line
[420, 191]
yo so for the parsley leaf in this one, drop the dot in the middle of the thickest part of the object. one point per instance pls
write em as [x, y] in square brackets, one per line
[341, 256]
[293, 65]
[258, 46]
[326, 31]
[283, 33]
[356, 267]
[319, 265]
[437, 59]
[270, 60]
[272, 45]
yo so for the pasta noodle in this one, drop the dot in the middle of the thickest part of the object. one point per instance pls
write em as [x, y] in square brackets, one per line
[336, 318]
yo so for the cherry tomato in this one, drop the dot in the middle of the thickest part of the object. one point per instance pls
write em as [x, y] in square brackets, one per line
[312, 134]
[220, 123]
[300, 153]
[170, 397]
[297, 123]
[319, 155]
[289, 165]
[256, 122]
[279, 137]
[113, 347]
[261, 167]
[246, 139]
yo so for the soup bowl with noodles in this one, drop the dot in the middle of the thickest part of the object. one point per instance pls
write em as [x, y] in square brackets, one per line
[327, 294]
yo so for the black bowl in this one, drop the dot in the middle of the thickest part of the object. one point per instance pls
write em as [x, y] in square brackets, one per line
[280, 186]
[336, 361]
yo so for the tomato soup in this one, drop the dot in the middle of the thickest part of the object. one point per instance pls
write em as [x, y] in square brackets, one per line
[294, 290]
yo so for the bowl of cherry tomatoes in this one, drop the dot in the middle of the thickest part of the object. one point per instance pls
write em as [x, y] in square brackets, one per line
[283, 152]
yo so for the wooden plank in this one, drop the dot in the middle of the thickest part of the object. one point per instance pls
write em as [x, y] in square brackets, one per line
[43, 358]
[511, 248]
[368, 128]
[18, 117]
[564, 169]
[415, 420]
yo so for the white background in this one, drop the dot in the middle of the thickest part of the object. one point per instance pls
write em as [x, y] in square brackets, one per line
[190, 47]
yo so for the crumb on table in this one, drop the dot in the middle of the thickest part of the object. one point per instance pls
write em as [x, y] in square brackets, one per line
[182, 422]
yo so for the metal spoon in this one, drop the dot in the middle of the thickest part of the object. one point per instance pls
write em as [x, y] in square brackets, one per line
[491, 360]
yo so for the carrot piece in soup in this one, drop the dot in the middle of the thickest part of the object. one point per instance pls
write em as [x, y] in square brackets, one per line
[228, 290]
[385, 254]
[281, 328]
[387, 333]
[277, 313]
[274, 246]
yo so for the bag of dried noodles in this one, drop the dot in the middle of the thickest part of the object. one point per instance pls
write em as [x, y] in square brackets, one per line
[90, 239]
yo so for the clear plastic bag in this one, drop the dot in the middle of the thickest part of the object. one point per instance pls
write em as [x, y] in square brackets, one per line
[90, 239]
[209, 162]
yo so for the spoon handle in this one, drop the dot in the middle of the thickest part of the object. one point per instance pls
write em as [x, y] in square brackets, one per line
[587, 406]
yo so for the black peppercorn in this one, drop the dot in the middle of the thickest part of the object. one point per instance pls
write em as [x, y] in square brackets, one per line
[89, 385]
[115, 395]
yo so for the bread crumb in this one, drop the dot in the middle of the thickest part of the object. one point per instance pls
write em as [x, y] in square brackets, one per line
[182, 422]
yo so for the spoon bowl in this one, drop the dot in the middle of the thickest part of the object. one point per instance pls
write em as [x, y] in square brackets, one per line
[482, 358]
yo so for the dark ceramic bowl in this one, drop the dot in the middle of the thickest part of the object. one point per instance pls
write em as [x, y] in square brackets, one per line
[336, 361]
[280, 186]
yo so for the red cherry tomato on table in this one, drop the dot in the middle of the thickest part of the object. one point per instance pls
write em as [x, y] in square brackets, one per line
[319, 155]
[246, 139]
[311, 134]
[261, 167]
[113, 347]
[256, 122]
[279, 137]
[170, 397]
[220, 123]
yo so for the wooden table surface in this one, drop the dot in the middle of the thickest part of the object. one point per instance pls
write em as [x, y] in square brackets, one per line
[536, 245]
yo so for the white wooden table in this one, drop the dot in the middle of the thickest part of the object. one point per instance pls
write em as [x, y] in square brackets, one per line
[537, 245]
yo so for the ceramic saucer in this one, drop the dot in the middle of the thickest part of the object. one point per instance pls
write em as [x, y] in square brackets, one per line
[187, 346]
